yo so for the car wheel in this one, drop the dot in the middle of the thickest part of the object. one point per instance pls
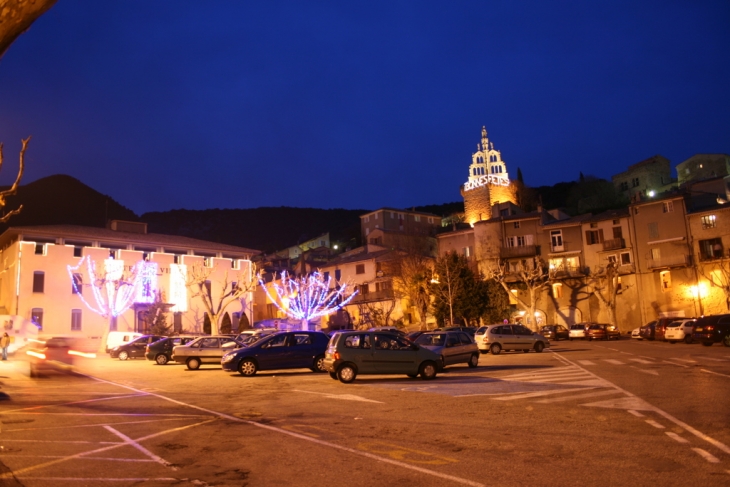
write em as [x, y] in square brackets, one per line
[726, 340]
[428, 370]
[539, 347]
[319, 364]
[474, 360]
[247, 367]
[161, 359]
[193, 363]
[333, 375]
[346, 373]
[123, 355]
[495, 348]
[707, 344]
[688, 339]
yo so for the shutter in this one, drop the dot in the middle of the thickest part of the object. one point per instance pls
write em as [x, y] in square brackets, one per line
[600, 235]
[588, 237]
[529, 240]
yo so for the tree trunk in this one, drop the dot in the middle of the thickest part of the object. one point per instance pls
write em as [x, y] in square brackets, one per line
[16, 16]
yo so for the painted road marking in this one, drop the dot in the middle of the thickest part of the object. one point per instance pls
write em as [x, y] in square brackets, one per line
[344, 397]
[718, 444]
[613, 362]
[109, 459]
[676, 437]
[538, 394]
[651, 372]
[690, 361]
[398, 452]
[93, 425]
[655, 424]
[85, 479]
[636, 413]
[139, 447]
[715, 359]
[75, 402]
[586, 362]
[275, 429]
[640, 361]
[577, 396]
[716, 373]
[706, 455]
[675, 363]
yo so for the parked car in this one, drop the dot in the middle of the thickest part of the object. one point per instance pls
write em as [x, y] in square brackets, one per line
[467, 329]
[680, 330]
[255, 332]
[203, 350]
[578, 330]
[661, 326]
[647, 330]
[116, 338]
[602, 331]
[365, 352]
[555, 332]
[636, 333]
[134, 349]
[414, 334]
[391, 329]
[512, 337]
[454, 347]
[283, 350]
[713, 329]
[161, 350]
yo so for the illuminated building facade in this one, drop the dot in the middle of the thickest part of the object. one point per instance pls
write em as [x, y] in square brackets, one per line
[47, 276]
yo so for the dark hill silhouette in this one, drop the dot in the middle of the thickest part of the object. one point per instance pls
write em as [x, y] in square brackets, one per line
[61, 199]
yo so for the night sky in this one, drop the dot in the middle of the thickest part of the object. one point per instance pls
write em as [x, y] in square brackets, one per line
[344, 104]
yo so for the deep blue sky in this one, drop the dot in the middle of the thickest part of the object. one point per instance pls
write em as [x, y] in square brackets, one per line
[229, 104]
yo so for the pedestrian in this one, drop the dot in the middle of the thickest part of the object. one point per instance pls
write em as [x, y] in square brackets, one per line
[4, 343]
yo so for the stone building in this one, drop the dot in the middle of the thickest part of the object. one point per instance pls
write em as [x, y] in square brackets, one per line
[703, 166]
[652, 174]
[488, 182]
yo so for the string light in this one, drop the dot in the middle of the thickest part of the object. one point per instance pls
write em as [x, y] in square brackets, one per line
[307, 298]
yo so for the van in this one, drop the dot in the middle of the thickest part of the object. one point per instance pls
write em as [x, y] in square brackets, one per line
[116, 338]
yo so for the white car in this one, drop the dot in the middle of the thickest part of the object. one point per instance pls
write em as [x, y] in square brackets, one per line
[636, 333]
[577, 330]
[680, 330]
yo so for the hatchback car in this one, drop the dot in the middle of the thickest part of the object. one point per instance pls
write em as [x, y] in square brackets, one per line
[134, 349]
[647, 331]
[283, 350]
[713, 329]
[578, 330]
[363, 352]
[512, 337]
[600, 331]
[555, 332]
[161, 350]
[680, 330]
[204, 350]
[452, 346]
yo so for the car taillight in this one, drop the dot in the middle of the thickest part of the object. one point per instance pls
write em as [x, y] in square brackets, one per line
[336, 356]
[709, 327]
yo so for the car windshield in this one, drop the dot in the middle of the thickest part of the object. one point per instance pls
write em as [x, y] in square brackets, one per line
[674, 324]
[432, 339]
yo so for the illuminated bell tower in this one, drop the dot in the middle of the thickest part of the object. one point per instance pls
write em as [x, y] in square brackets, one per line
[488, 182]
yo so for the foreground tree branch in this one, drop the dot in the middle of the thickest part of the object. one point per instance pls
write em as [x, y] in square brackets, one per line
[14, 188]
[16, 16]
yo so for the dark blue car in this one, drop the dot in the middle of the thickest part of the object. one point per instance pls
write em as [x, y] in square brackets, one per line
[283, 350]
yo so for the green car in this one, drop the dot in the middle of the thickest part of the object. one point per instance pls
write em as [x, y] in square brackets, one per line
[375, 352]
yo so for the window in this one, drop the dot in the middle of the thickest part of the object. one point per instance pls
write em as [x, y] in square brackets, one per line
[708, 221]
[467, 252]
[655, 254]
[338, 274]
[653, 229]
[40, 249]
[517, 224]
[665, 278]
[557, 290]
[383, 286]
[78, 251]
[594, 225]
[618, 284]
[208, 262]
[594, 237]
[625, 258]
[36, 316]
[617, 232]
[711, 249]
[417, 218]
[668, 206]
[376, 216]
[624, 186]
[363, 288]
[392, 215]
[77, 284]
[326, 275]
[360, 269]
[113, 254]
[430, 219]
[366, 219]
[611, 259]
[75, 320]
[235, 264]
[556, 240]
[634, 182]
[38, 281]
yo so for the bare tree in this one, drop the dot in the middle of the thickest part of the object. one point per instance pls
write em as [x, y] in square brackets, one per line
[411, 269]
[534, 276]
[226, 291]
[606, 287]
[378, 311]
[16, 16]
[14, 188]
[717, 272]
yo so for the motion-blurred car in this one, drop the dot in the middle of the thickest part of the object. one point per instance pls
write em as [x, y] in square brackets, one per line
[283, 350]
[713, 329]
[56, 355]
[680, 330]
[134, 349]
[511, 337]
[364, 352]
[555, 332]
[204, 350]
[454, 347]
[161, 350]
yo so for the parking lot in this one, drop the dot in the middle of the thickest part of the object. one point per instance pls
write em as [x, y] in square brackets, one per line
[598, 413]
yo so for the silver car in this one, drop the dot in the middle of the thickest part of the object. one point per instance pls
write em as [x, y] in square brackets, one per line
[512, 337]
[453, 347]
[204, 350]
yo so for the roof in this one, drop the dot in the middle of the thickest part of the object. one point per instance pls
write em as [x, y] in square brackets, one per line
[359, 257]
[608, 215]
[106, 235]
[386, 208]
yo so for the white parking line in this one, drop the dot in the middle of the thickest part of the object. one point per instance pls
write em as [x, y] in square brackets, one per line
[651, 372]
[636, 413]
[706, 455]
[85, 479]
[716, 373]
[139, 447]
[675, 363]
[344, 397]
[75, 402]
[613, 362]
[689, 361]
[82, 458]
[676, 437]
[655, 424]
[640, 361]
[539, 393]
[715, 359]
[576, 396]
[586, 362]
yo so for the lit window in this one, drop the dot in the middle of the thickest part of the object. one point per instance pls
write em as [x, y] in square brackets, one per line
[708, 221]
[557, 290]
[665, 278]
[655, 254]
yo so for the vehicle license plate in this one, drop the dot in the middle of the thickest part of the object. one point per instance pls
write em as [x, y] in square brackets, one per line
[699, 329]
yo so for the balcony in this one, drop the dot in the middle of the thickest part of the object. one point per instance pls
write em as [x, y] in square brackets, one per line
[614, 243]
[626, 269]
[565, 271]
[679, 260]
[371, 297]
[520, 251]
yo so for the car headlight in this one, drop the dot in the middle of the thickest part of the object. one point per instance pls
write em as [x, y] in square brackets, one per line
[227, 358]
